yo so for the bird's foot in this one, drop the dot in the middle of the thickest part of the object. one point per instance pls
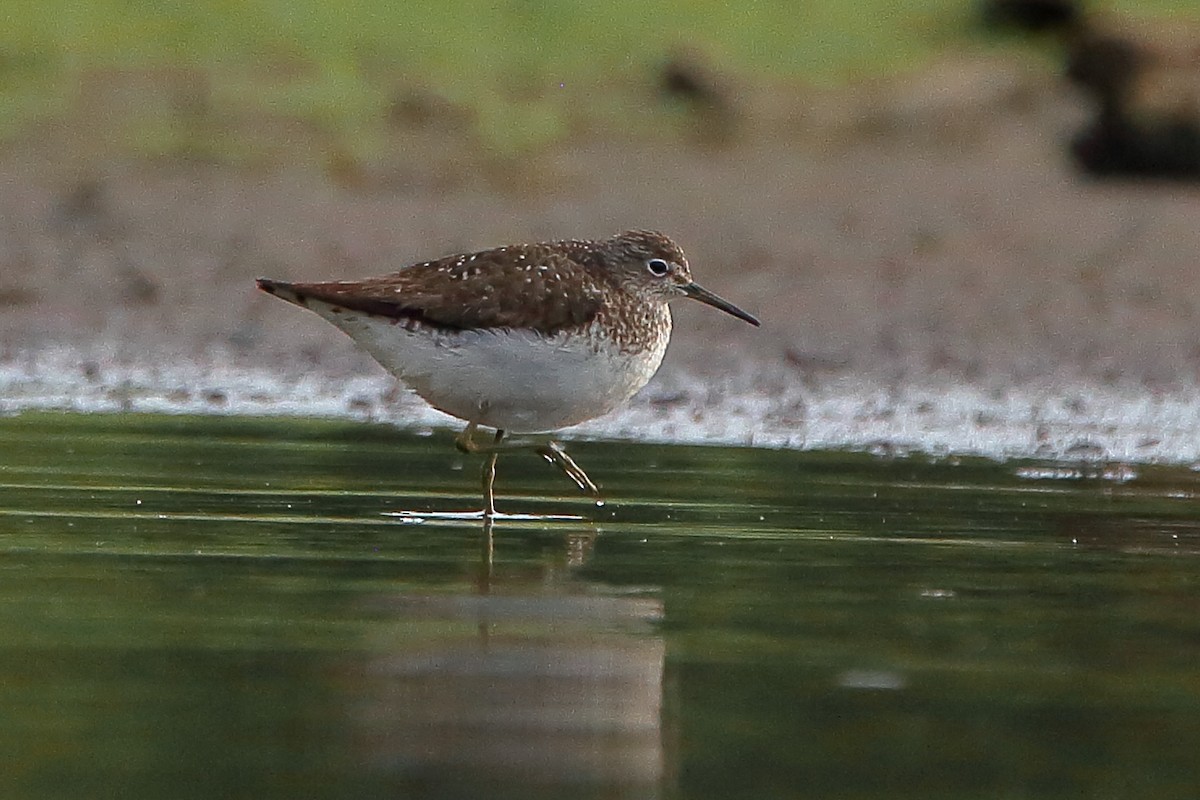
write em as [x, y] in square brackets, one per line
[554, 453]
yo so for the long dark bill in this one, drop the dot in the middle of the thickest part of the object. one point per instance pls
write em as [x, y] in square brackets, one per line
[698, 292]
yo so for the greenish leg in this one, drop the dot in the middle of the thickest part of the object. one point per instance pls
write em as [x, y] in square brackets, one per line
[466, 444]
[551, 451]
[554, 453]
[489, 478]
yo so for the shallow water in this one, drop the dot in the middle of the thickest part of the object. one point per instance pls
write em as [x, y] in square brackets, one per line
[200, 607]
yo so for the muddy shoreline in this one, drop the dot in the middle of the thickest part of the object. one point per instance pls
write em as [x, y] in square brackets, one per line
[932, 275]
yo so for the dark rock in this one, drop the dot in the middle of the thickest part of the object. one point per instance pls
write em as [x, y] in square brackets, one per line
[1032, 15]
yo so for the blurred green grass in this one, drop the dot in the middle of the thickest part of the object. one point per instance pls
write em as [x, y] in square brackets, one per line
[196, 78]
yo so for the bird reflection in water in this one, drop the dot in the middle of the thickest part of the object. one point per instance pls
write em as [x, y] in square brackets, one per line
[534, 681]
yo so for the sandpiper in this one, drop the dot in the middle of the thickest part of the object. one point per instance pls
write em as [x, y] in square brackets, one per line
[526, 339]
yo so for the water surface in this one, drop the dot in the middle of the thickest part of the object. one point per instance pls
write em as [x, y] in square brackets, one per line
[199, 607]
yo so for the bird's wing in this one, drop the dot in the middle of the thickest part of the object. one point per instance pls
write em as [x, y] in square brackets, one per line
[514, 287]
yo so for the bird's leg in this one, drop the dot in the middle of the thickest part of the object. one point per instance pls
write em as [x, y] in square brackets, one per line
[467, 444]
[554, 453]
[551, 451]
[489, 479]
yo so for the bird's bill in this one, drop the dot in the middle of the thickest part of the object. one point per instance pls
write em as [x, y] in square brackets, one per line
[698, 292]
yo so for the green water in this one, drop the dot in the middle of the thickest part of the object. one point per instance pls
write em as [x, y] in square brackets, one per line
[228, 608]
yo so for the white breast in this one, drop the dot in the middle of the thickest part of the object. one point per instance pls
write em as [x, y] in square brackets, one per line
[517, 380]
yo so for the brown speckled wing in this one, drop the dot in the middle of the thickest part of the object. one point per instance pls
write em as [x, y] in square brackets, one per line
[541, 287]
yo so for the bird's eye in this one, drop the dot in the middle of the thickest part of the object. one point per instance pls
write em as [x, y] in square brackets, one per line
[658, 267]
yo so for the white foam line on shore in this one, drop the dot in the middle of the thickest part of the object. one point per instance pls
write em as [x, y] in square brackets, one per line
[1068, 420]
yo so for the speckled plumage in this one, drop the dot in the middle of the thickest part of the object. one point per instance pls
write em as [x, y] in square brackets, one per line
[526, 338]
[545, 287]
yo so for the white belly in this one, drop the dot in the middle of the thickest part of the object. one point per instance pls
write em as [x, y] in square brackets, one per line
[518, 381]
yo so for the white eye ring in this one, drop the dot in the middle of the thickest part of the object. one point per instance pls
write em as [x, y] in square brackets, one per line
[658, 267]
